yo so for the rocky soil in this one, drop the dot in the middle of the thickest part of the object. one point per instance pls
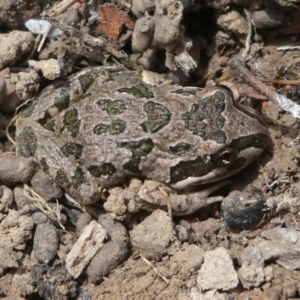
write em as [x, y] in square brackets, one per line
[51, 248]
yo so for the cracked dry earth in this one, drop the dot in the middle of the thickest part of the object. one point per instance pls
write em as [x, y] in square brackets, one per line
[148, 255]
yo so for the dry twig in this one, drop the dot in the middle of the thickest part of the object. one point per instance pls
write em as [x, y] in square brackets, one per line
[42, 204]
[249, 34]
[269, 91]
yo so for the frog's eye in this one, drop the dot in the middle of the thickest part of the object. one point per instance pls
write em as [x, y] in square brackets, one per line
[223, 158]
[228, 155]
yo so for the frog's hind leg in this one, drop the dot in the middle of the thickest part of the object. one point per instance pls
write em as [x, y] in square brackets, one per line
[151, 197]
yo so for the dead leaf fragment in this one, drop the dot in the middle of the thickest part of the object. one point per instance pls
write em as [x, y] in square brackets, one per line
[112, 21]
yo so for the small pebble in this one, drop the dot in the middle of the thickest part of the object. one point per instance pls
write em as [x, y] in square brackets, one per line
[12, 218]
[45, 243]
[294, 236]
[240, 212]
[115, 230]
[108, 258]
[45, 186]
[14, 45]
[24, 205]
[183, 233]
[217, 271]
[153, 236]
[83, 220]
[6, 198]
[39, 218]
[72, 214]
[15, 169]
[270, 18]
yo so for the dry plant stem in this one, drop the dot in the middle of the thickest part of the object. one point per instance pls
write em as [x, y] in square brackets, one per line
[7, 131]
[283, 81]
[283, 48]
[249, 34]
[71, 31]
[283, 102]
[62, 6]
[44, 38]
[168, 201]
[42, 204]
[155, 269]
[96, 43]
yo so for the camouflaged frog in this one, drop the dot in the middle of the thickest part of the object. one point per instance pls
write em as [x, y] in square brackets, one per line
[99, 128]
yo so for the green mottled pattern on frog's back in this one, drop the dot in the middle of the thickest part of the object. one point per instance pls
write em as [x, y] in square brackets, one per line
[62, 94]
[123, 127]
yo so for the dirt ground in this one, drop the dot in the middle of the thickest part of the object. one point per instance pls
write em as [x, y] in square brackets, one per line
[146, 256]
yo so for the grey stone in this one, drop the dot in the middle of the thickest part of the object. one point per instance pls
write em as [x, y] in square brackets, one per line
[45, 186]
[45, 243]
[16, 169]
[217, 271]
[251, 272]
[108, 258]
[115, 230]
[153, 236]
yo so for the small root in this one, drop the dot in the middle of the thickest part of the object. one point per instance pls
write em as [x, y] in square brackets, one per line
[42, 205]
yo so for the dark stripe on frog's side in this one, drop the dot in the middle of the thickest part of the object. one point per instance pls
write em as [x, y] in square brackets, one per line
[72, 122]
[139, 149]
[112, 108]
[27, 142]
[258, 140]
[202, 165]
[185, 92]
[72, 148]
[180, 148]
[205, 119]
[105, 169]
[138, 91]
[115, 127]
[190, 168]
[158, 116]
[196, 168]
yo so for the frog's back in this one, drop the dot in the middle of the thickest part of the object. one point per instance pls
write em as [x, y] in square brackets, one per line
[125, 127]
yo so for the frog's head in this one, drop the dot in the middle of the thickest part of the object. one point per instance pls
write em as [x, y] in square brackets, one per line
[233, 136]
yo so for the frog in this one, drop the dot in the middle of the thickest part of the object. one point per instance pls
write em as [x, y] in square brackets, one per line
[99, 128]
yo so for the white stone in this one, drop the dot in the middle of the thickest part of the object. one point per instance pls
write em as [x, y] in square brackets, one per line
[217, 271]
[88, 244]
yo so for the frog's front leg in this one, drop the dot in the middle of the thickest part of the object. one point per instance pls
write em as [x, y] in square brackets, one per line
[151, 196]
[53, 155]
